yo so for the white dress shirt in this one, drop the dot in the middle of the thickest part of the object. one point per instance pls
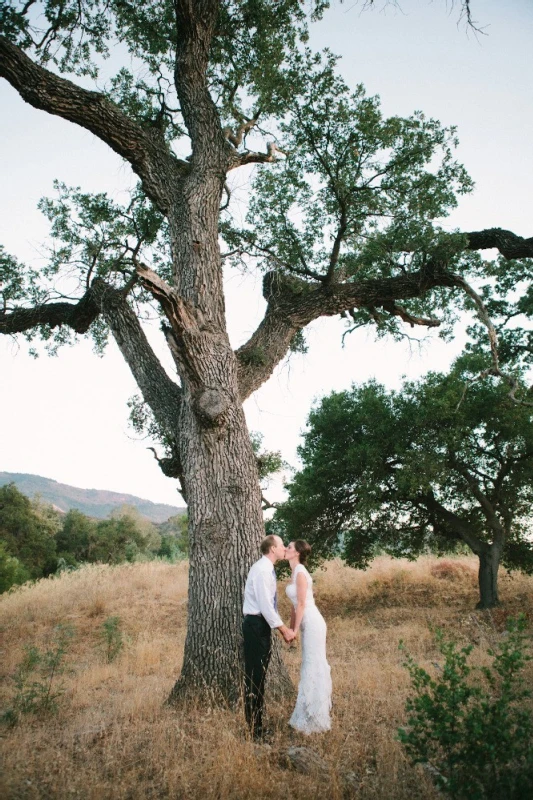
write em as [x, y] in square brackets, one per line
[260, 591]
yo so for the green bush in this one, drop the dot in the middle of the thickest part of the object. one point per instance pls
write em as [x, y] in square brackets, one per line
[27, 531]
[36, 688]
[174, 533]
[112, 637]
[473, 727]
[12, 572]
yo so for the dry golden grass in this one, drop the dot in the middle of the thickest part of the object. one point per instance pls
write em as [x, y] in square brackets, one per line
[113, 738]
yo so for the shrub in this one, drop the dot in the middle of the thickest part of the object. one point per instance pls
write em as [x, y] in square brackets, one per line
[35, 678]
[473, 727]
[12, 572]
[112, 637]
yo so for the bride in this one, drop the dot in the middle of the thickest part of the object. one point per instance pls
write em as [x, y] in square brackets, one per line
[313, 705]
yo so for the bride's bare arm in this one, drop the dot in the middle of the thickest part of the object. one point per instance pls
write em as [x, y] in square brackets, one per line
[301, 594]
[293, 617]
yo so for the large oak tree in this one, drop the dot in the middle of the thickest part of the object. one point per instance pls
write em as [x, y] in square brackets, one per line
[341, 220]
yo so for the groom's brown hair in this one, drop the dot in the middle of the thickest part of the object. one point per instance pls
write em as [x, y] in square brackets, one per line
[267, 544]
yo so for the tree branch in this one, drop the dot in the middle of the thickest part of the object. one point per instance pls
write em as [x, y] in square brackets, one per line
[482, 499]
[294, 303]
[400, 311]
[458, 525]
[267, 504]
[158, 390]
[249, 157]
[343, 225]
[493, 341]
[195, 24]
[146, 151]
[78, 316]
[190, 336]
[509, 244]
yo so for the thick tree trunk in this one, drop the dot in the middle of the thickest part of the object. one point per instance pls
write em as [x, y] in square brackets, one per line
[225, 528]
[489, 562]
[219, 468]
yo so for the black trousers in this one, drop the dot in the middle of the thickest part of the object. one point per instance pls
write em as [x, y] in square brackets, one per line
[257, 641]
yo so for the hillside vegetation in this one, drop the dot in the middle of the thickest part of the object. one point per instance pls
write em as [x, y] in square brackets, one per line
[113, 737]
[37, 541]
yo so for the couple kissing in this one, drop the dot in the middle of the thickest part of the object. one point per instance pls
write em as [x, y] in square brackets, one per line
[260, 608]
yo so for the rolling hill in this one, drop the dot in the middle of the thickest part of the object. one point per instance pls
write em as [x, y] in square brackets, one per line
[94, 502]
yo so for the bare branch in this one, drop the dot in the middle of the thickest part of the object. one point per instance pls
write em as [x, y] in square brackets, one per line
[161, 394]
[400, 311]
[172, 468]
[237, 137]
[267, 504]
[495, 369]
[272, 154]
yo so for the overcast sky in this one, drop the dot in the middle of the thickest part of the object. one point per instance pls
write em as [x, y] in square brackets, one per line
[66, 417]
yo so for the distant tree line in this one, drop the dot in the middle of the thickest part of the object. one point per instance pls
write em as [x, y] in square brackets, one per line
[36, 540]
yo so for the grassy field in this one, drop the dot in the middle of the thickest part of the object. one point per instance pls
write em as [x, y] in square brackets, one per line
[112, 737]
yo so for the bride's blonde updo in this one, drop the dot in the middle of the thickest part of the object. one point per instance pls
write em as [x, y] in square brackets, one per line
[303, 548]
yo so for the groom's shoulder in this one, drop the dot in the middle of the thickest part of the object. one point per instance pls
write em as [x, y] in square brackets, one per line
[256, 565]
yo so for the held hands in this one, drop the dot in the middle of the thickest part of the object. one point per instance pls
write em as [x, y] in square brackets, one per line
[289, 635]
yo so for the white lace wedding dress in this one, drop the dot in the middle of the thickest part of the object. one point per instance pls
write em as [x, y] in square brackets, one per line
[313, 705]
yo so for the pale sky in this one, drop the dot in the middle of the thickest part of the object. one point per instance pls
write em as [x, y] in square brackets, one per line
[66, 417]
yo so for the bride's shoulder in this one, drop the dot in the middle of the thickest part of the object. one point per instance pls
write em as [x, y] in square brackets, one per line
[301, 568]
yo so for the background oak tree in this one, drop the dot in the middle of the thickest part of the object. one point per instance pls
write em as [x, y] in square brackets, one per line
[444, 461]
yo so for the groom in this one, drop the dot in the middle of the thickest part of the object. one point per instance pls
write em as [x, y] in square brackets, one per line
[260, 617]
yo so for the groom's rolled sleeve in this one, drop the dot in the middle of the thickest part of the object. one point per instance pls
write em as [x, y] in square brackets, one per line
[265, 599]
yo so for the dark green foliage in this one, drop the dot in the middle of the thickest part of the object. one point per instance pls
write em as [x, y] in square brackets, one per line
[364, 188]
[98, 504]
[124, 537]
[36, 688]
[112, 637]
[12, 572]
[75, 537]
[371, 184]
[27, 532]
[473, 726]
[298, 343]
[268, 461]
[174, 538]
[34, 542]
[382, 469]
[115, 541]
